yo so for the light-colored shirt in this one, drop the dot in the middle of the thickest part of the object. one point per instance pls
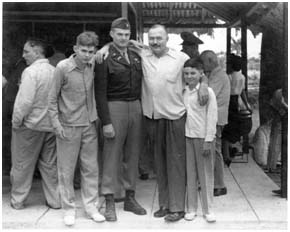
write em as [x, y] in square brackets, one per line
[237, 80]
[162, 84]
[220, 83]
[72, 97]
[31, 103]
[200, 120]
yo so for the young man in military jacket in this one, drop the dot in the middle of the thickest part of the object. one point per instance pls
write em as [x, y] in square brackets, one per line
[118, 92]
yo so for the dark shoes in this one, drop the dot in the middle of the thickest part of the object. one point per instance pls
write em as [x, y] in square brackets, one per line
[110, 213]
[227, 162]
[174, 217]
[51, 206]
[144, 176]
[162, 212]
[132, 205]
[220, 192]
[278, 192]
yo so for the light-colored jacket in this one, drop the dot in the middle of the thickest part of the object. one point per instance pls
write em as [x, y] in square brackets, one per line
[72, 96]
[201, 120]
[31, 103]
[220, 83]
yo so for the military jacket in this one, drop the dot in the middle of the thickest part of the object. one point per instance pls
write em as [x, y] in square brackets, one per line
[117, 80]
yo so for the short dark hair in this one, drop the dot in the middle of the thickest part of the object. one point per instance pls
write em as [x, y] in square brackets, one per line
[194, 63]
[159, 26]
[235, 62]
[45, 47]
[87, 38]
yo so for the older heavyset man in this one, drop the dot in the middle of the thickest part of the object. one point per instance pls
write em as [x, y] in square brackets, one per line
[163, 106]
[33, 141]
[219, 81]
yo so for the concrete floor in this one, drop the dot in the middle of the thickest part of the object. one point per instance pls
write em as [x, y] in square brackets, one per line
[249, 205]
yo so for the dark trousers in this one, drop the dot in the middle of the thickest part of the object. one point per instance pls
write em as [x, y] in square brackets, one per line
[169, 155]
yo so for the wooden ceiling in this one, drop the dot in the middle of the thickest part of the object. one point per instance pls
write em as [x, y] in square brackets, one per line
[203, 14]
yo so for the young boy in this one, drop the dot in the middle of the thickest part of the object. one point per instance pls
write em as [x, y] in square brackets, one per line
[72, 109]
[200, 129]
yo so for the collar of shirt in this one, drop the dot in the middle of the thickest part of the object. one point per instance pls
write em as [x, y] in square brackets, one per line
[73, 65]
[171, 52]
[43, 60]
[196, 88]
[120, 51]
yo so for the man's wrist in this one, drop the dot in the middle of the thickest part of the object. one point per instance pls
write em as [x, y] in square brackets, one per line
[204, 80]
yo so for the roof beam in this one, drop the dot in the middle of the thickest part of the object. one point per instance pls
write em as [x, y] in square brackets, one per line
[55, 13]
[236, 22]
[216, 13]
[203, 25]
[97, 21]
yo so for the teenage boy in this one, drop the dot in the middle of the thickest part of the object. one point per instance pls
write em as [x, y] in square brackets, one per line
[73, 113]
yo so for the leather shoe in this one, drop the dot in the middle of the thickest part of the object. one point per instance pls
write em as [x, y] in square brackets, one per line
[144, 176]
[174, 217]
[278, 192]
[162, 212]
[228, 162]
[220, 191]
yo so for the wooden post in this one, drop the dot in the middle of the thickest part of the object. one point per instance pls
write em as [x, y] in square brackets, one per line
[244, 53]
[245, 73]
[229, 37]
[284, 168]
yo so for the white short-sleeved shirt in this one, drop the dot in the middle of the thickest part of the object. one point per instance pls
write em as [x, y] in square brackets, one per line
[162, 84]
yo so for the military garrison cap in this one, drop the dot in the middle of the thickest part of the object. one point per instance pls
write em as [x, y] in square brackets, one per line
[121, 23]
[189, 38]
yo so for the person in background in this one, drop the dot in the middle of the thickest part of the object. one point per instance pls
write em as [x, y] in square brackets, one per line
[200, 130]
[73, 113]
[190, 44]
[9, 96]
[118, 93]
[219, 81]
[33, 140]
[58, 48]
[236, 127]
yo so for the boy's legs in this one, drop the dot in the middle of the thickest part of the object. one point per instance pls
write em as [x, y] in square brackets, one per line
[191, 171]
[89, 169]
[205, 168]
[67, 156]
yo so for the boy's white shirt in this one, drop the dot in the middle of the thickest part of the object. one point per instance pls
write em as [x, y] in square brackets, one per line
[201, 121]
